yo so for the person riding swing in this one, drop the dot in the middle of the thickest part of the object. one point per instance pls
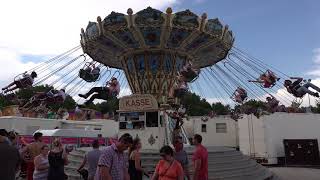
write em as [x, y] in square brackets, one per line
[179, 89]
[188, 73]
[298, 90]
[46, 98]
[240, 95]
[111, 89]
[25, 82]
[267, 79]
[90, 73]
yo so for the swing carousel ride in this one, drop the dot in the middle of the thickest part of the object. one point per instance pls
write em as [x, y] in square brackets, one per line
[164, 54]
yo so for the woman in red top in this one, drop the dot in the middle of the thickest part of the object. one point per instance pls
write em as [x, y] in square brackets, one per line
[168, 168]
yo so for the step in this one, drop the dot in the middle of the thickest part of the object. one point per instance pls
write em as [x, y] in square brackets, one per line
[237, 172]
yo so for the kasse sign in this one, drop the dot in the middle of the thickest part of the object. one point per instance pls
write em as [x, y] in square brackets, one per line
[138, 102]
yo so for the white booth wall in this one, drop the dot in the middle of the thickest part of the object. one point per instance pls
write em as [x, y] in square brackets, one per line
[263, 137]
[216, 131]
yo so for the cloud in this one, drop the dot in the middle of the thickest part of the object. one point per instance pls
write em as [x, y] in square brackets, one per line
[39, 28]
[316, 60]
[52, 27]
[11, 65]
[316, 57]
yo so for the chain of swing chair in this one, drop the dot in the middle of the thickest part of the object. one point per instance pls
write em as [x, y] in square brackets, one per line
[51, 73]
[236, 75]
[223, 78]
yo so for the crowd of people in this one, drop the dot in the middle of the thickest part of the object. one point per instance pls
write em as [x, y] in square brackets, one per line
[38, 161]
[34, 161]
[113, 163]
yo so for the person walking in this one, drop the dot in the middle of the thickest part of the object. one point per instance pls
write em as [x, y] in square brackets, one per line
[168, 168]
[181, 156]
[57, 159]
[41, 164]
[92, 158]
[135, 170]
[9, 158]
[200, 159]
[112, 162]
[32, 150]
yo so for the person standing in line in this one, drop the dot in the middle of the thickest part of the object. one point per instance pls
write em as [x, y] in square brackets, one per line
[41, 164]
[135, 170]
[33, 150]
[112, 164]
[168, 168]
[181, 156]
[92, 157]
[9, 158]
[57, 159]
[200, 159]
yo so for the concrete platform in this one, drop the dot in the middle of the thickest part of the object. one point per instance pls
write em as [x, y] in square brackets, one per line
[295, 173]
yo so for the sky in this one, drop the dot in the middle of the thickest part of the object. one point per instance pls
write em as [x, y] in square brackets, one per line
[283, 33]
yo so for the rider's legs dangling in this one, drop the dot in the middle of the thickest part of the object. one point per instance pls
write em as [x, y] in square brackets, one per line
[304, 90]
[309, 84]
[100, 94]
[92, 90]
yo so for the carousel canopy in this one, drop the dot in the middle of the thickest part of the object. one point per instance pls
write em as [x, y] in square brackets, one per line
[184, 34]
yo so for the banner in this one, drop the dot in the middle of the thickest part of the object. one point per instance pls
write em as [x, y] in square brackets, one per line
[85, 140]
[27, 139]
[69, 140]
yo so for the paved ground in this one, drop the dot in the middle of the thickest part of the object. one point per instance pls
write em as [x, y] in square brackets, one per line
[292, 173]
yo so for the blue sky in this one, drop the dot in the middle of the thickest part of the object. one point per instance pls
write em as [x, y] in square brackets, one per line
[283, 33]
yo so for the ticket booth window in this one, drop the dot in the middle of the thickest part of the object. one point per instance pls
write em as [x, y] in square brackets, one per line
[132, 120]
[152, 119]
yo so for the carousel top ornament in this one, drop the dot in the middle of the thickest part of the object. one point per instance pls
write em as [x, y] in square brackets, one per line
[152, 47]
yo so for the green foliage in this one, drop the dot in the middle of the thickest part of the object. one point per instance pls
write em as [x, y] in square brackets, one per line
[27, 93]
[255, 104]
[112, 105]
[4, 102]
[220, 109]
[69, 104]
[316, 109]
[195, 106]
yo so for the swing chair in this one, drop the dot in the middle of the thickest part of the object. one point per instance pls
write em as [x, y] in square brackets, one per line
[43, 99]
[268, 74]
[88, 74]
[239, 95]
[190, 74]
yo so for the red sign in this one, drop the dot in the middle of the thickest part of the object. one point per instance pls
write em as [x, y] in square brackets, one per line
[27, 139]
[69, 140]
[86, 140]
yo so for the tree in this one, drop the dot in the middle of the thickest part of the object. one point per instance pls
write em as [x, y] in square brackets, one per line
[220, 109]
[27, 93]
[4, 102]
[195, 106]
[111, 105]
[316, 109]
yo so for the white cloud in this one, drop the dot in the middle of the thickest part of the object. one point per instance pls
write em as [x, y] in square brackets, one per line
[11, 65]
[316, 59]
[51, 27]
